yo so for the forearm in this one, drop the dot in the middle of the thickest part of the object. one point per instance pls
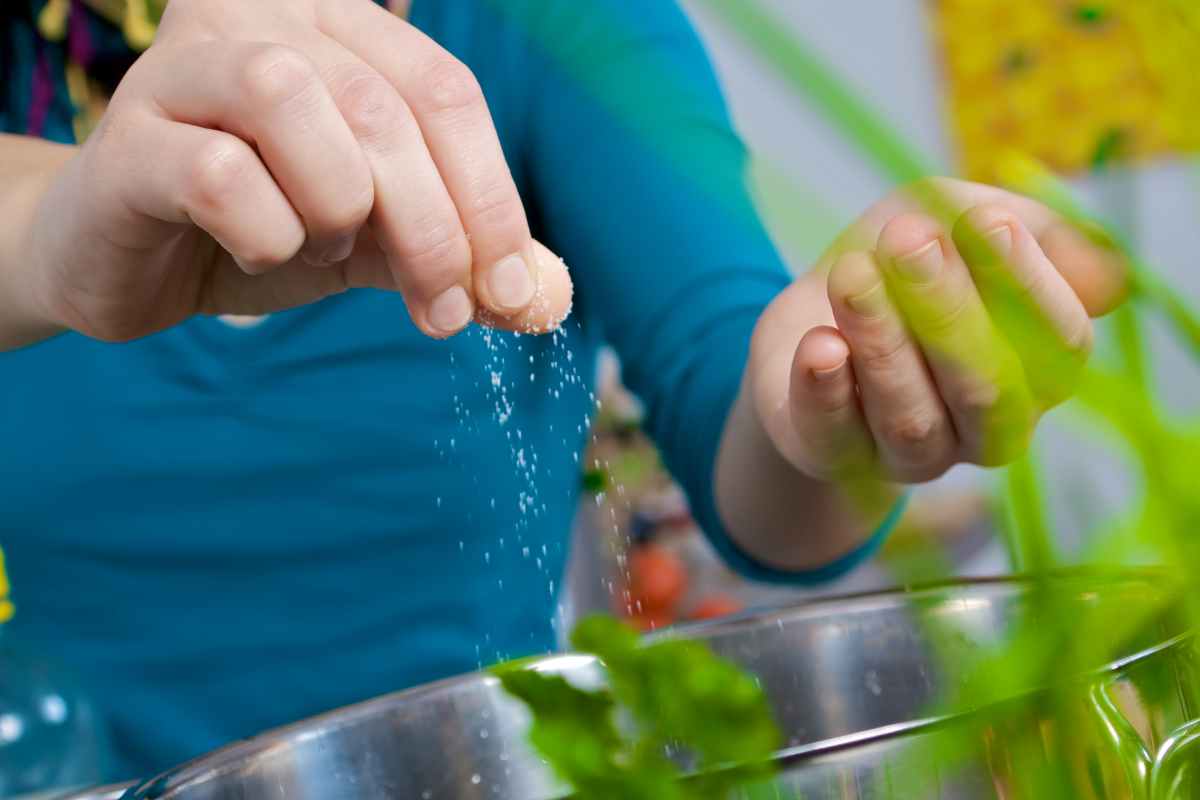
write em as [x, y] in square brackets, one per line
[771, 508]
[27, 168]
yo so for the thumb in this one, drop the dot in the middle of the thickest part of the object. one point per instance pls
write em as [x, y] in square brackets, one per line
[832, 434]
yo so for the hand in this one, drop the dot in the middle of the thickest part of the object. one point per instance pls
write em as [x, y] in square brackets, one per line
[264, 155]
[946, 335]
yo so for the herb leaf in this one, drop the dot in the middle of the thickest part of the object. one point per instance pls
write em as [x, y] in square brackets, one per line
[679, 697]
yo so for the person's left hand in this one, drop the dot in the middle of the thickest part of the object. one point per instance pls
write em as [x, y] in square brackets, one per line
[939, 337]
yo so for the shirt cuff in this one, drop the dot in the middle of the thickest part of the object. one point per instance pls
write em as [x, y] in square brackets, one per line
[753, 569]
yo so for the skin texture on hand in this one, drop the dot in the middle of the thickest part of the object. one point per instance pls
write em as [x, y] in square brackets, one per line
[29, 166]
[937, 330]
[266, 155]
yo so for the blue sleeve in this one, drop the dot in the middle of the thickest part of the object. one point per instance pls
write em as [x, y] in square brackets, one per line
[639, 183]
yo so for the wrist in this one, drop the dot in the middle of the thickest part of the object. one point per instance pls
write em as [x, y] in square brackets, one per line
[25, 243]
[781, 516]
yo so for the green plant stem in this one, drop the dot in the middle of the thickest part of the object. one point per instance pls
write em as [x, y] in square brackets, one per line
[769, 38]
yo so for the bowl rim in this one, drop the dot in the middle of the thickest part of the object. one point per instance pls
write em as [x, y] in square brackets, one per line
[229, 757]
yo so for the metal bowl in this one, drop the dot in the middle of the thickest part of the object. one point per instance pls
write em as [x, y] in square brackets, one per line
[113, 791]
[852, 682]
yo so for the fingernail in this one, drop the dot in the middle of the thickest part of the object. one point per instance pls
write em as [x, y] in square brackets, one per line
[511, 283]
[872, 303]
[339, 250]
[451, 310]
[999, 242]
[828, 375]
[923, 265]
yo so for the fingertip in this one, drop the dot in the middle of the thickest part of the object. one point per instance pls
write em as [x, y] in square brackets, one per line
[450, 312]
[821, 352]
[987, 234]
[551, 301]
[907, 234]
[1092, 263]
[822, 378]
[853, 275]
[510, 285]
[553, 296]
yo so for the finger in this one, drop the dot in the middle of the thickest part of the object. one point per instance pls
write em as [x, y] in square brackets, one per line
[910, 423]
[1030, 302]
[1090, 262]
[414, 219]
[824, 407]
[230, 291]
[458, 129]
[273, 97]
[214, 180]
[551, 303]
[978, 375]
[1087, 258]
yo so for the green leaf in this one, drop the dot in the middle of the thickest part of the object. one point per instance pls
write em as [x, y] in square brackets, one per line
[678, 696]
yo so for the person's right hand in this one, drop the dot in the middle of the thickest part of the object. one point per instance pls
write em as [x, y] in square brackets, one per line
[260, 156]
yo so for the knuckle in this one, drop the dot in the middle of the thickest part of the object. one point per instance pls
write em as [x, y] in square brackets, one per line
[219, 171]
[277, 75]
[942, 322]
[830, 402]
[1002, 446]
[440, 250]
[979, 399]
[371, 107]
[449, 85]
[346, 216]
[911, 432]
[1001, 431]
[883, 355]
[265, 254]
[495, 205]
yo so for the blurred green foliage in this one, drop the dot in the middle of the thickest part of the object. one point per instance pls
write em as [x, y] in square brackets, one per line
[674, 691]
[679, 698]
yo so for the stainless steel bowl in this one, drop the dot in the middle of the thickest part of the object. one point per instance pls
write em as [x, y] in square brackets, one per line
[113, 791]
[852, 681]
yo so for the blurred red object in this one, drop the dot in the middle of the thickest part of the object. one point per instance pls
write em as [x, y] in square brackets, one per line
[651, 622]
[657, 580]
[716, 605]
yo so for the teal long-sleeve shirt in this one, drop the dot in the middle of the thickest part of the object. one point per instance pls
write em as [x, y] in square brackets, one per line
[225, 529]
